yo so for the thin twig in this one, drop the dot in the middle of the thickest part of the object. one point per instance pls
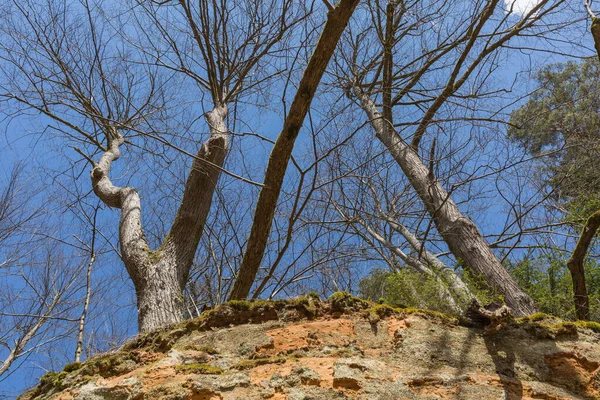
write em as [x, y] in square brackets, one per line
[84, 155]
[589, 9]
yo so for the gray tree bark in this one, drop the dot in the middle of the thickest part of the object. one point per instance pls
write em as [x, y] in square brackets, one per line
[458, 231]
[159, 276]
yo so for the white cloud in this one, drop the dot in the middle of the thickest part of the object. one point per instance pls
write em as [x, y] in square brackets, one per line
[520, 7]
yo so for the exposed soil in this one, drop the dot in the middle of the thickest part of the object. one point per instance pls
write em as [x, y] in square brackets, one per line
[340, 349]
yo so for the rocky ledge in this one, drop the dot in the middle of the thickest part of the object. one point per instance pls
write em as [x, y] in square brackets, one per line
[342, 348]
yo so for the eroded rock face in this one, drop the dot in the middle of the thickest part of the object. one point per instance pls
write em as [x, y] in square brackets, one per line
[343, 349]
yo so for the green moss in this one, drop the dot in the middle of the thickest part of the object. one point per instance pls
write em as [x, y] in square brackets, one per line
[538, 316]
[379, 312]
[249, 364]
[555, 325]
[345, 302]
[308, 303]
[338, 296]
[58, 380]
[240, 305]
[107, 365]
[74, 366]
[546, 326]
[46, 384]
[594, 326]
[557, 328]
[244, 305]
[208, 349]
[566, 326]
[51, 380]
[203, 369]
[164, 341]
[48, 378]
[301, 300]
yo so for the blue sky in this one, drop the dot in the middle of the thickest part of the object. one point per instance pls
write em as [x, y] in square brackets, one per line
[48, 159]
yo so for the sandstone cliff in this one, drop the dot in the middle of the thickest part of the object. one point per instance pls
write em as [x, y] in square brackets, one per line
[343, 348]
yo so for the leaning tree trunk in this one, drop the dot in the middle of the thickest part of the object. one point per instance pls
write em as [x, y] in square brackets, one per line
[458, 231]
[576, 266]
[159, 276]
[337, 19]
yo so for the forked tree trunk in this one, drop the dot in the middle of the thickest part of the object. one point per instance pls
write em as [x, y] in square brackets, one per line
[159, 276]
[458, 231]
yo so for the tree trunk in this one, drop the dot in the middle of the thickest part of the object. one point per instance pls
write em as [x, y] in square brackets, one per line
[159, 276]
[88, 290]
[160, 295]
[186, 231]
[595, 29]
[458, 231]
[576, 266]
[337, 19]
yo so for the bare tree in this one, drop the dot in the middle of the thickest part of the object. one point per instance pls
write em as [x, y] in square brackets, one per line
[35, 292]
[13, 216]
[88, 286]
[375, 205]
[72, 87]
[424, 84]
[337, 20]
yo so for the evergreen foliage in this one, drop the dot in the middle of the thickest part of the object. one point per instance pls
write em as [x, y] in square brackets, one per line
[562, 119]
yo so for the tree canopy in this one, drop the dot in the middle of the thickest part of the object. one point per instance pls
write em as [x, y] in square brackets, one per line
[560, 122]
